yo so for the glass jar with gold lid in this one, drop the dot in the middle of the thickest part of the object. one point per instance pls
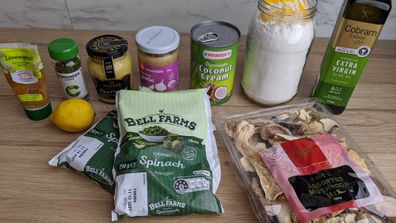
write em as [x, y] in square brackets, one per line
[110, 65]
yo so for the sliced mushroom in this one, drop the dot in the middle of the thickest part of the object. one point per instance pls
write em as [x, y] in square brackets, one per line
[282, 117]
[355, 156]
[267, 182]
[361, 218]
[285, 214]
[314, 127]
[304, 116]
[259, 122]
[257, 143]
[273, 209]
[230, 126]
[349, 217]
[270, 130]
[329, 124]
[333, 220]
[293, 115]
[315, 115]
[246, 165]
[286, 137]
[243, 132]
[258, 192]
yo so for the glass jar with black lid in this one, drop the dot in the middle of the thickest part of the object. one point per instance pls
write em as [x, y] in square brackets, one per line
[109, 65]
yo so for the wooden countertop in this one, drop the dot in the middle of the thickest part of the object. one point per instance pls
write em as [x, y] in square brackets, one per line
[32, 191]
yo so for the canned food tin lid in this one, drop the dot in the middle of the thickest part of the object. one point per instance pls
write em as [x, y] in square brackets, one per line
[157, 39]
[215, 33]
[107, 46]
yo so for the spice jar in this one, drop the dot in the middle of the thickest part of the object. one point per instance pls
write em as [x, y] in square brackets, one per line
[278, 42]
[67, 64]
[109, 65]
[158, 55]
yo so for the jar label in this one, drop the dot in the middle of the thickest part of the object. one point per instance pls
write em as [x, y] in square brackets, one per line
[107, 89]
[73, 85]
[24, 77]
[159, 79]
[109, 68]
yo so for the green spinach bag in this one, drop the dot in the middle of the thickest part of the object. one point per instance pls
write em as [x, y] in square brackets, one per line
[92, 154]
[166, 161]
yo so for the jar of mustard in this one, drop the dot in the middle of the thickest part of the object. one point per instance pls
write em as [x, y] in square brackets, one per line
[110, 65]
[158, 54]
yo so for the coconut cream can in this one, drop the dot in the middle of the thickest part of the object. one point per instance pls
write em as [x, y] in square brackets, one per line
[214, 51]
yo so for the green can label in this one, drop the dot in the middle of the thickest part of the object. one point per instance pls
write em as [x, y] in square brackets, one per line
[214, 68]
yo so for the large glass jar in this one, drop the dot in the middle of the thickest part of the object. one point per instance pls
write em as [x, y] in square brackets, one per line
[110, 65]
[278, 42]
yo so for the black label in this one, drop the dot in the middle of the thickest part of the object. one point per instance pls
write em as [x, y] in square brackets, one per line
[328, 187]
[109, 68]
[108, 89]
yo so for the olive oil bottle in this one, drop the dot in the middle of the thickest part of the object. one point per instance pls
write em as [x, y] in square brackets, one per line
[358, 27]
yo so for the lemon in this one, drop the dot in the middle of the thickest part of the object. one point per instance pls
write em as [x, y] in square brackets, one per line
[73, 115]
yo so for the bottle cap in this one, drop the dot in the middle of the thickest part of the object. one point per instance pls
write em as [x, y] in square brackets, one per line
[107, 46]
[157, 39]
[63, 49]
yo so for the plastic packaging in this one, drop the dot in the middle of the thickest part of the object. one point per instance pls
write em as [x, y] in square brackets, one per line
[23, 69]
[92, 154]
[269, 203]
[166, 161]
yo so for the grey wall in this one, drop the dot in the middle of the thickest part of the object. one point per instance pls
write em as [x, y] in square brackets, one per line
[135, 14]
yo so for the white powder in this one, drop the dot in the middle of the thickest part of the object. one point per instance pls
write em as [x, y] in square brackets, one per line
[275, 57]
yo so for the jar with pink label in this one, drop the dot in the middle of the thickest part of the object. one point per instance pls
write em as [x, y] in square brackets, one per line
[158, 54]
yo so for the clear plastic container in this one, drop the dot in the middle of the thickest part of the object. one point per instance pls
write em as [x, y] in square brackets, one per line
[263, 208]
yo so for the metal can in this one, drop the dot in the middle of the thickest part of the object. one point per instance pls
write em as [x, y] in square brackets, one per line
[214, 51]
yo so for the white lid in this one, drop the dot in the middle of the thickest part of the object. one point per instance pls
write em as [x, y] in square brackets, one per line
[157, 39]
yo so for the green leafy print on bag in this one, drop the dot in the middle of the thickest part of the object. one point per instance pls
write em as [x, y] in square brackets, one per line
[166, 161]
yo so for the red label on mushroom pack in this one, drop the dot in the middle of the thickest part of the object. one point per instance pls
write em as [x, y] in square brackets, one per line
[318, 176]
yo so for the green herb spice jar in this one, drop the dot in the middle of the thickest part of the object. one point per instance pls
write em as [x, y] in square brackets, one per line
[67, 63]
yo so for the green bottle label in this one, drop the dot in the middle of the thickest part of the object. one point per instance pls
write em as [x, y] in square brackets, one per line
[344, 61]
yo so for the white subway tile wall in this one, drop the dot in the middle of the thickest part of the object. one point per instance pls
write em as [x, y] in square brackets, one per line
[135, 14]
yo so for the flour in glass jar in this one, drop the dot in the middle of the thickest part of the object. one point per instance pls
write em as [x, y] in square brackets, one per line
[277, 49]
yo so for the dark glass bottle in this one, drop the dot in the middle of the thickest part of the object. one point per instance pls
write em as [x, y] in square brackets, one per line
[358, 27]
